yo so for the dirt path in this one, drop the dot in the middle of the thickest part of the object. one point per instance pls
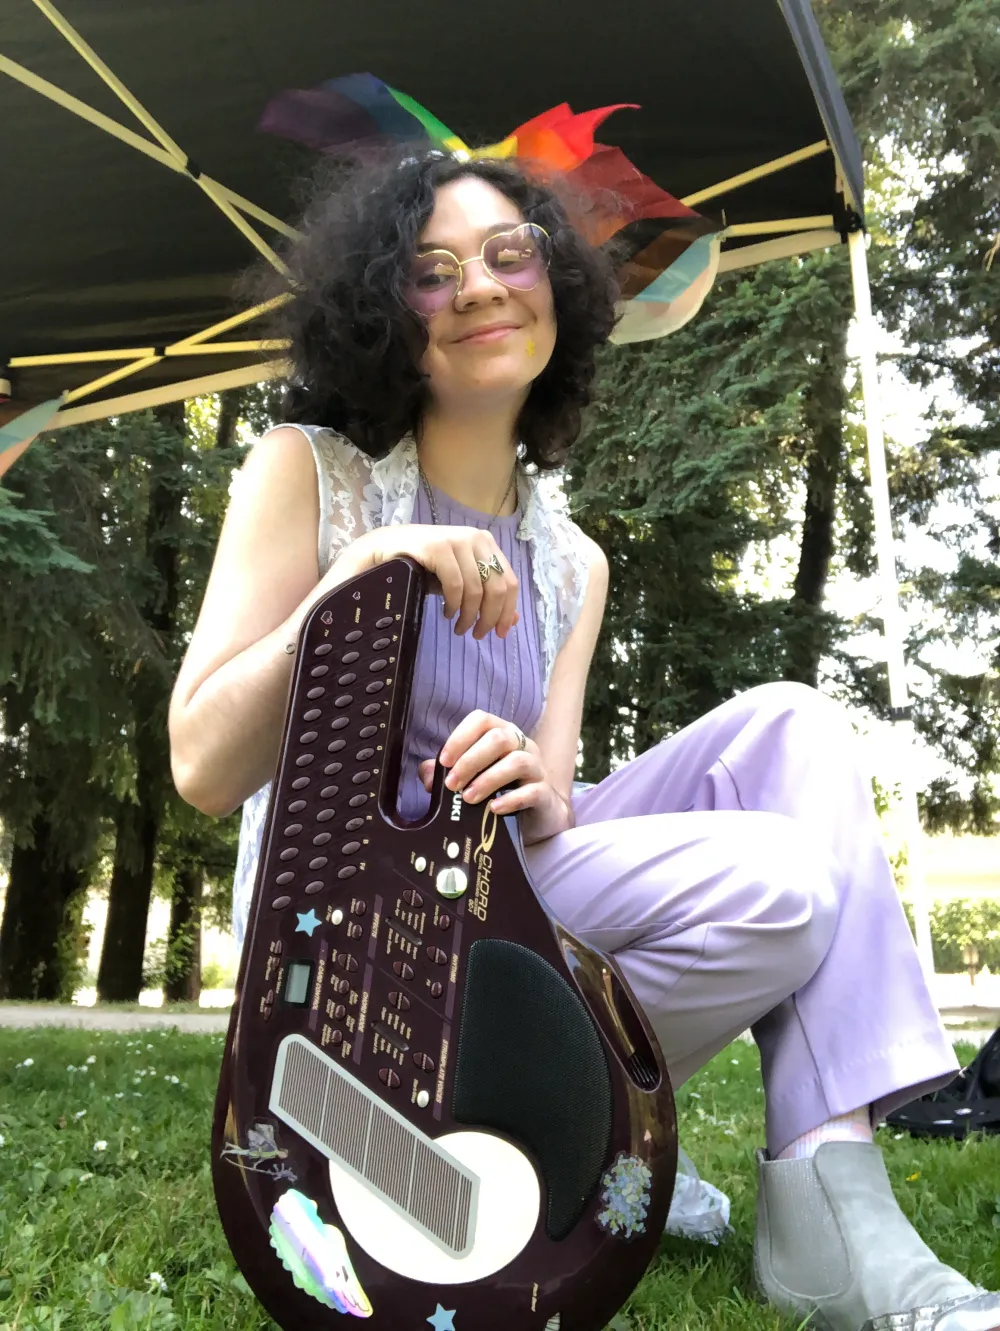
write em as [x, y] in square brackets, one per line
[24, 1015]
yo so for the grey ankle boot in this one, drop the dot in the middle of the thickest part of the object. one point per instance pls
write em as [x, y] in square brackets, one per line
[832, 1241]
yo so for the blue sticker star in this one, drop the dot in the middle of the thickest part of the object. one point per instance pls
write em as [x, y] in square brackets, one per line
[443, 1319]
[307, 923]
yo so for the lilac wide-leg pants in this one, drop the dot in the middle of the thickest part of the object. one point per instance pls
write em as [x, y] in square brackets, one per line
[736, 872]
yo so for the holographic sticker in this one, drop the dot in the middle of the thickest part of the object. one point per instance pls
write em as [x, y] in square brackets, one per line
[260, 1155]
[625, 1197]
[315, 1254]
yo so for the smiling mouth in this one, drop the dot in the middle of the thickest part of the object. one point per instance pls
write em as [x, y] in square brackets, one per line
[491, 334]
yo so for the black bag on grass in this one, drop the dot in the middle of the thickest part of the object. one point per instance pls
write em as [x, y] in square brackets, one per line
[969, 1103]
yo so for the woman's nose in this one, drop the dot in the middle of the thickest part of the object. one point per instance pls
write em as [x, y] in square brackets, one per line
[478, 284]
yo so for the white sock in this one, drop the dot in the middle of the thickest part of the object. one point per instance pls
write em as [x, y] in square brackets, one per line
[854, 1127]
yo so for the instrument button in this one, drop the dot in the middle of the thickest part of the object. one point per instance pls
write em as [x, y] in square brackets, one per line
[366, 732]
[403, 970]
[420, 864]
[354, 931]
[437, 989]
[343, 700]
[304, 759]
[336, 745]
[293, 829]
[359, 907]
[380, 644]
[336, 1037]
[348, 871]
[353, 636]
[320, 862]
[324, 649]
[270, 997]
[356, 801]
[399, 1001]
[324, 815]
[346, 962]
[452, 881]
[289, 853]
[354, 824]
[371, 709]
[413, 898]
[438, 956]
[283, 879]
[339, 722]
[423, 1099]
[341, 986]
[317, 672]
[266, 1010]
[384, 622]
[308, 736]
[376, 686]
[453, 849]
[313, 714]
[351, 964]
[312, 888]
[328, 792]
[378, 665]
[331, 769]
[350, 657]
[279, 903]
[337, 917]
[349, 678]
[349, 847]
[322, 838]
[390, 1078]
[296, 806]
[339, 1011]
[444, 920]
[359, 778]
[317, 692]
[424, 1062]
[363, 755]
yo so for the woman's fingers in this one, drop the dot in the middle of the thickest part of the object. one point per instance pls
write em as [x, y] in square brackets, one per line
[472, 590]
[485, 744]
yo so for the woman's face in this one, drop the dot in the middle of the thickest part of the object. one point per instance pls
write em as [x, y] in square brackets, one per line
[489, 341]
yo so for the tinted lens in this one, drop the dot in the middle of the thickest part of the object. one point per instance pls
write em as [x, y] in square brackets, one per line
[433, 281]
[518, 258]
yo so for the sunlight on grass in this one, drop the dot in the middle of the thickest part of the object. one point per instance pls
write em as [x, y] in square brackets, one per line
[108, 1220]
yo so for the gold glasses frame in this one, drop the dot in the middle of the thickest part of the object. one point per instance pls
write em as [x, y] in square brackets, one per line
[460, 264]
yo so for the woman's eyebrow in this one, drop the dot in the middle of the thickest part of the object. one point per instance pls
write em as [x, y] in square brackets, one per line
[493, 230]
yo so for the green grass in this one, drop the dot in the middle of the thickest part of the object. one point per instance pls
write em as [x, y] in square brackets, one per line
[81, 1230]
[171, 1009]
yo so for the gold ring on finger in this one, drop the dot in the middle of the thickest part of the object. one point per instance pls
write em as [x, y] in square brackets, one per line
[495, 563]
[484, 569]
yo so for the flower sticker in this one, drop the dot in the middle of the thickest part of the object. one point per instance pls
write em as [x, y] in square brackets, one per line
[625, 1197]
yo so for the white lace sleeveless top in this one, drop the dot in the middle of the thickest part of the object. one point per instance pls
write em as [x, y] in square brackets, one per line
[356, 495]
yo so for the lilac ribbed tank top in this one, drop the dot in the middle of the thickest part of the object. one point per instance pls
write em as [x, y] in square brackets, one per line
[454, 673]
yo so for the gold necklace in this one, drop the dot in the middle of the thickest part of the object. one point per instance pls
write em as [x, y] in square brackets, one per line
[513, 633]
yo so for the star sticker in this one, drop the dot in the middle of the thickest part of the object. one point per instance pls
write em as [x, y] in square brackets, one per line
[307, 923]
[443, 1319]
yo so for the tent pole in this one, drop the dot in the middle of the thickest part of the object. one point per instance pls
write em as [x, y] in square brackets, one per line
[892, 618]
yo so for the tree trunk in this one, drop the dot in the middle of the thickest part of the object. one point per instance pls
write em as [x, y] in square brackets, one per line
[824, 423]
[182, 983]
[39, 897]
[120, 975]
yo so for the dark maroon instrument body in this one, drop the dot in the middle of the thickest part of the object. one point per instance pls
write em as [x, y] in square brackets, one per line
[475, 1012]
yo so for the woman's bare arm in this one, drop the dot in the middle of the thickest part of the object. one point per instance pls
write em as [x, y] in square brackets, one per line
[228, 703]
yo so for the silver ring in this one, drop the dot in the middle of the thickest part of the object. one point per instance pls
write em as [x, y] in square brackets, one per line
[484, 569]
[522, 741]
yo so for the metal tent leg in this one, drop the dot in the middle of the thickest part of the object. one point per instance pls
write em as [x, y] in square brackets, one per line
[889, 594]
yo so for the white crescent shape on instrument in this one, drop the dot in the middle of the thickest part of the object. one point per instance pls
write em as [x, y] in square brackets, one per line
[509, 1205]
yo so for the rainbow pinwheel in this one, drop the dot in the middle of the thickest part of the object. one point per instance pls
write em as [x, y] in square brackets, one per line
[667, 255]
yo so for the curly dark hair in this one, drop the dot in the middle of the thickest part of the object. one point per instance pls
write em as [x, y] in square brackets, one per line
[355, 346]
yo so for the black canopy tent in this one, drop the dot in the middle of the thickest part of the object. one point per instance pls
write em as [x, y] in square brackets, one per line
[138, 187]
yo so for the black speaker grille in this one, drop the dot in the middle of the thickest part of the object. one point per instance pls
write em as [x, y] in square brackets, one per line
[530, 1065]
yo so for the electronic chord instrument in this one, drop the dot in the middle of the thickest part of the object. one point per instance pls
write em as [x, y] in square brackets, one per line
[436, 1105]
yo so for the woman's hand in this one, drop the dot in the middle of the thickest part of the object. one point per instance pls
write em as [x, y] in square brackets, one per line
[451, 554]
[483, 754]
